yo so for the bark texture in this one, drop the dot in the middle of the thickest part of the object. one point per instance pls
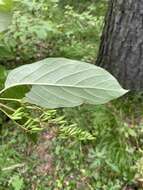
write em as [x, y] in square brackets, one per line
[121, 49]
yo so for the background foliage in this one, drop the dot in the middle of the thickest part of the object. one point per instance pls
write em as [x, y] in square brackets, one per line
[52, 28]
[88, 147]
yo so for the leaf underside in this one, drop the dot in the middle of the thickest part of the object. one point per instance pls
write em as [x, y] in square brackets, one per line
[60, 82]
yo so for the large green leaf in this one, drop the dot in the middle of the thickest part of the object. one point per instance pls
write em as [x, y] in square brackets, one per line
[60, 82]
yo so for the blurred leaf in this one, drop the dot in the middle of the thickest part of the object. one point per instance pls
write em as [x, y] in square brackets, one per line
[6, 7]
[17, 182]
[5, 51]
[5, 20]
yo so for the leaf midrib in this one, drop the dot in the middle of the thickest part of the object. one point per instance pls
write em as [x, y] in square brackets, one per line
[59, 85]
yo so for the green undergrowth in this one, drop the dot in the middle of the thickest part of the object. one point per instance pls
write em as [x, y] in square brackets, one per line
[52, 29]
[89, 147]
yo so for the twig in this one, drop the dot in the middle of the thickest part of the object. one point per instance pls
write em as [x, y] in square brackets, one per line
[10, 99]
[14, 167]
[7, 107]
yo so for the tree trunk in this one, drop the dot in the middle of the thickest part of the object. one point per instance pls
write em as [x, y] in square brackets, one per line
[121, 49]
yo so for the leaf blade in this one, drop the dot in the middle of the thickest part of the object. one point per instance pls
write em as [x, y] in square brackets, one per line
[62, 82]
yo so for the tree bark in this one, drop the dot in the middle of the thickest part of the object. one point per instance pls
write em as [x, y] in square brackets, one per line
[121, 49]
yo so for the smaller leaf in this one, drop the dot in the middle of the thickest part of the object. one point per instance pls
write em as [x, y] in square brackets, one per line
[5, 51]
[17, 182]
